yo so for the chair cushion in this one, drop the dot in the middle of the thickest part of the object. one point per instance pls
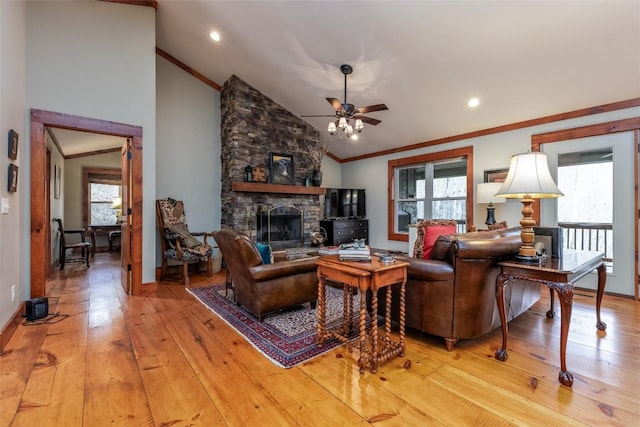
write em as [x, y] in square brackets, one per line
[265, 253]
[185, 236]
[186, 256]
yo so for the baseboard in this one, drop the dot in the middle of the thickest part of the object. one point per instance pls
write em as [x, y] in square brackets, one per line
[11, 326]
[149, 287]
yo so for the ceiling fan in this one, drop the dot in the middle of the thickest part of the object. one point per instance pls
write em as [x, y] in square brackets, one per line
[347, 113]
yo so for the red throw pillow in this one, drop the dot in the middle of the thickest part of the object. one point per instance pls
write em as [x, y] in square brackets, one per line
[431, 234]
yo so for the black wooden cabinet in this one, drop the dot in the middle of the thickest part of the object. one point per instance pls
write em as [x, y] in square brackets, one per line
[345, 230]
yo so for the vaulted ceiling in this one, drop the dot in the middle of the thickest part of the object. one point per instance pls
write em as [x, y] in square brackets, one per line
[423, 59]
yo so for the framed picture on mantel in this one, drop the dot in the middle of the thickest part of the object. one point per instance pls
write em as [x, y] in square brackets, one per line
[281, 168]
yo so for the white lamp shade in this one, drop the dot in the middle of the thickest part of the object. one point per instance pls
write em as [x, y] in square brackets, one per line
[529, 177]
[116, 203]
[485, 193]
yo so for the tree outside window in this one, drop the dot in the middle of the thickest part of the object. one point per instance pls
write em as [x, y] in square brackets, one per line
[102, 198]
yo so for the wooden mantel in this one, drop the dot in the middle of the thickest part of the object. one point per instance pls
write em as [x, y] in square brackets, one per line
[257, 187]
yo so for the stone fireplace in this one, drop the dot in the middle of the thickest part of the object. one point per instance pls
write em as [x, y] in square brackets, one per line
[252, 127]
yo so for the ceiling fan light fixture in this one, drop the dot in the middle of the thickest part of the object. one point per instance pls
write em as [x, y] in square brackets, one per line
[354, 137]
[332, 128]
[350, 120]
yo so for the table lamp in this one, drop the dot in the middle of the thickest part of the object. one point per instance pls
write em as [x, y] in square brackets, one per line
[117, 204]
[485, 193]
[528, 179]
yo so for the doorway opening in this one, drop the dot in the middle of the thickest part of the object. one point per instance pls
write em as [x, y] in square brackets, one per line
[131, 241]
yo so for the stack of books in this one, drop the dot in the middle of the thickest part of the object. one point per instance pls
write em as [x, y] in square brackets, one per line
[354, 252]
[328, 250]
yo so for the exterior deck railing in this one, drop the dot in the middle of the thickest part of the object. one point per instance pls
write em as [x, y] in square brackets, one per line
[591, 236]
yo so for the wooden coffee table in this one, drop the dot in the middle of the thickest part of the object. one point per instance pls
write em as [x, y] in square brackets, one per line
[364, 276]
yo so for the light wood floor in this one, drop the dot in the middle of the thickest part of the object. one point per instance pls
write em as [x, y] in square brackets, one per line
[165, 360]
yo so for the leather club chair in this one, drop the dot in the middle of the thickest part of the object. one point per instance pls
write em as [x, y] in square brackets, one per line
[266, 288]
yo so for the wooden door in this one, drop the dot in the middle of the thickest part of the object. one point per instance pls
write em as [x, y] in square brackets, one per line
[125, 226]
[620, 275]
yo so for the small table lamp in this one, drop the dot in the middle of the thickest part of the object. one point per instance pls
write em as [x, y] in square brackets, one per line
[528, 178]
[117, 205]
[485, 193]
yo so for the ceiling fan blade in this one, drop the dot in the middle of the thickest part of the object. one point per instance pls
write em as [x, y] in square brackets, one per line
[368, 120]
[336, 104]
[371, 108]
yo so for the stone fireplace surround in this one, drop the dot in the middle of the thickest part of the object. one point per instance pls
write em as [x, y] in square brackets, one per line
[252, 126]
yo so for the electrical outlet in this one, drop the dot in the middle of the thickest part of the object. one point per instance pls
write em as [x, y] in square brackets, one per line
[13, 293]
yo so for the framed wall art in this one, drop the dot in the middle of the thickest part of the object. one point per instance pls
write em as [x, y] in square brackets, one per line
[13, 144]
[551, 238]
[281, 168]
[12, 178]
[57, 181]
[496, 175]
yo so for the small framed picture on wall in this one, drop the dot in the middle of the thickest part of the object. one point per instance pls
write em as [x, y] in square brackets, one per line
[13, 144]
[495, 175]
[12, 178]
[57, 180]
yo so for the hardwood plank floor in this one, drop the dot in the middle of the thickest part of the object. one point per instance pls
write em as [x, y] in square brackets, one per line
[165, 360]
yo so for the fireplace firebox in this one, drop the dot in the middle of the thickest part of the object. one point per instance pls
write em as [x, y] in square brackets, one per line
[281, 227]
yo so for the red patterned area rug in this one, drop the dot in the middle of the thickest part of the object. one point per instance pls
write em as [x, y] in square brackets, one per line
[288, 337]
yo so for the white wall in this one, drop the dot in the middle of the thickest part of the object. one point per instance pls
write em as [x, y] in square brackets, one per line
[12, 107]
[97, 60]
[331, 173]
[188, 161]
[490, 152]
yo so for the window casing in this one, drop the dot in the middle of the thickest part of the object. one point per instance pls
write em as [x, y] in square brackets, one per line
[101, 186]
[430, 186]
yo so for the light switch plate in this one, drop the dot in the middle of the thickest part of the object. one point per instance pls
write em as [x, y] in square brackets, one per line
[5, 206]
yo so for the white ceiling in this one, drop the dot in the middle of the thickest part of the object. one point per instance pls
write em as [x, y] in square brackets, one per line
[73, 143]
[423, 59]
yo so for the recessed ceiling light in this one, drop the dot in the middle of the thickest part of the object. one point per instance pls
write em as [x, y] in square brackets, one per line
[215, 36]
[473, 102]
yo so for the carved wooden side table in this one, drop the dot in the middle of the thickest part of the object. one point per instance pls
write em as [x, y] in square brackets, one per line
[365, 276]
[559, 274]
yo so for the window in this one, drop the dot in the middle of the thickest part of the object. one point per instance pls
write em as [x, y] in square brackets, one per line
[586, 210]
[430, 186]
[101, 188]
[102, 198]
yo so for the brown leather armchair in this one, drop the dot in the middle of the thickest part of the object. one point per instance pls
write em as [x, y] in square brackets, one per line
[453, 294]
[266, 288]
